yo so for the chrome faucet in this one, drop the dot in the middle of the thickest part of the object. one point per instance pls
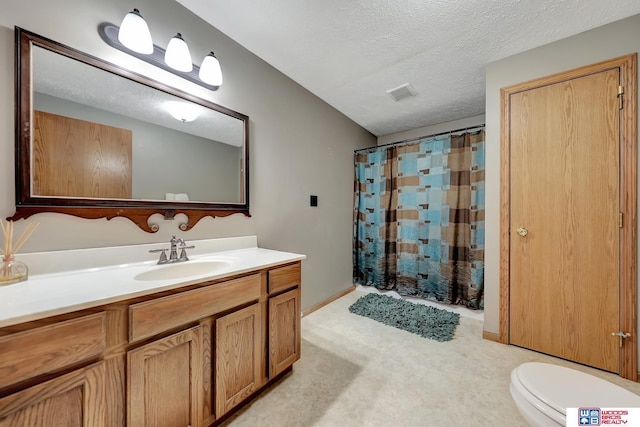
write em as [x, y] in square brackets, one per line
[173, 251]
[173, 255]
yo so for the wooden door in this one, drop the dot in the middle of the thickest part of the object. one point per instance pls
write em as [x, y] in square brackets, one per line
[564, 222]
[284, 331]
[238, 356]
[76, 399]
[77, 158]
[164, 382]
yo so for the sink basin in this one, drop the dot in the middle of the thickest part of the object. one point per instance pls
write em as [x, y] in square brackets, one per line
[184, 269]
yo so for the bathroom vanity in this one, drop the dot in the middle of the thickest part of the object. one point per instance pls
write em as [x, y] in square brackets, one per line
[132, 344]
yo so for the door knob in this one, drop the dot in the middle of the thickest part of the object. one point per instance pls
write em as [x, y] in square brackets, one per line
[522, 231]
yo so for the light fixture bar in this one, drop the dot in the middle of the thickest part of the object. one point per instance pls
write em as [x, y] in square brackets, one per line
[109, 34]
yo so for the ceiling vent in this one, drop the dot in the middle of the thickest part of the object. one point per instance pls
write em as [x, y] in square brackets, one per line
[402, 92]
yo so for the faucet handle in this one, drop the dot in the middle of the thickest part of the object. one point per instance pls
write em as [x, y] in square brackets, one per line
[163, 255]
[183, 252]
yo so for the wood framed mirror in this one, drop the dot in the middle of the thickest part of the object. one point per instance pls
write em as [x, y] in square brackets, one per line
[95, 140]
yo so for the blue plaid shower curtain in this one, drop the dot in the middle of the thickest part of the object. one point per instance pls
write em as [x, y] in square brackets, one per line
[419, 218]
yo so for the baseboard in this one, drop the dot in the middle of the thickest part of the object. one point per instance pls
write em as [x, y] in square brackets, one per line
[491, 336]
[328, 301]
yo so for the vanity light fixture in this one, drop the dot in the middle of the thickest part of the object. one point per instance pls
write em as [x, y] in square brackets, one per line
[134, 33]
[133, 37]
[177, 55]
[210, 71]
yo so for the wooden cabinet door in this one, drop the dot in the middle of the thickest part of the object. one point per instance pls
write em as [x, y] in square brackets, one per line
[76, 399]
[164, 381]
[284, 331]
[237, 356]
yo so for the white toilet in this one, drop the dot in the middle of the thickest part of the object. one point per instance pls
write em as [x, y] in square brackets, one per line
[542, 392]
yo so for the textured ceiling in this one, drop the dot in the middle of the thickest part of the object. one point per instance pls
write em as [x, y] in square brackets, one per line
[349, 53]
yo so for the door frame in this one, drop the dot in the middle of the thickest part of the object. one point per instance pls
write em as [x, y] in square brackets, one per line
[628, 140]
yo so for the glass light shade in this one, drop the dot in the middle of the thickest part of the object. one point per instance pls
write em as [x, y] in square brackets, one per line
[210, 71]
[177, 55]
[182, 111]
[134, 33]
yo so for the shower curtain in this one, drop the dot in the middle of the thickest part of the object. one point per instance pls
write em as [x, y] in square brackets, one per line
[419, 218]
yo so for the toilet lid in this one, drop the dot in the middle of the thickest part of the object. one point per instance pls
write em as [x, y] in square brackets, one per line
[562, 388]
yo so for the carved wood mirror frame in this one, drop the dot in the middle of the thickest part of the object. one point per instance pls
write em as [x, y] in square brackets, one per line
[138, 211]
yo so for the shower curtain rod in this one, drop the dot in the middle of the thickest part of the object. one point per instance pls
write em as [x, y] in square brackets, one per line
[406, 141]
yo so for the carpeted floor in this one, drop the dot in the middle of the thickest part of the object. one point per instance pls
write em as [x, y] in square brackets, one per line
[357, 372]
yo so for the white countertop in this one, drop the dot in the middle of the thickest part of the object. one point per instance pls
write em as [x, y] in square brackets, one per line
[44, 295]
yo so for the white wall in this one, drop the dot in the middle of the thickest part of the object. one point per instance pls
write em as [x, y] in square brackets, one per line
[610, 41]
[299, 144]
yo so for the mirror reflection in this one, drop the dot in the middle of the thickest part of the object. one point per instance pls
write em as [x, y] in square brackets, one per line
[97, 135]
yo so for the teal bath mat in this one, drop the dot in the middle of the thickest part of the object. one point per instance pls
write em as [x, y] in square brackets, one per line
[423, 320]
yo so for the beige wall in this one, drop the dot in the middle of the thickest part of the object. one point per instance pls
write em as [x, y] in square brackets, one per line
[610, 41]
[468, 122]
[299, 144]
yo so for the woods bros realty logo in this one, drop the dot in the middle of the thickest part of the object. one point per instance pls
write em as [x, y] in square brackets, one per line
[603, 416]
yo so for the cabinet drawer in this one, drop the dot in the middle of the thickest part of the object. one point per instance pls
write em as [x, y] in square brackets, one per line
[49, 348]
[153, 317]
[284, 278]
